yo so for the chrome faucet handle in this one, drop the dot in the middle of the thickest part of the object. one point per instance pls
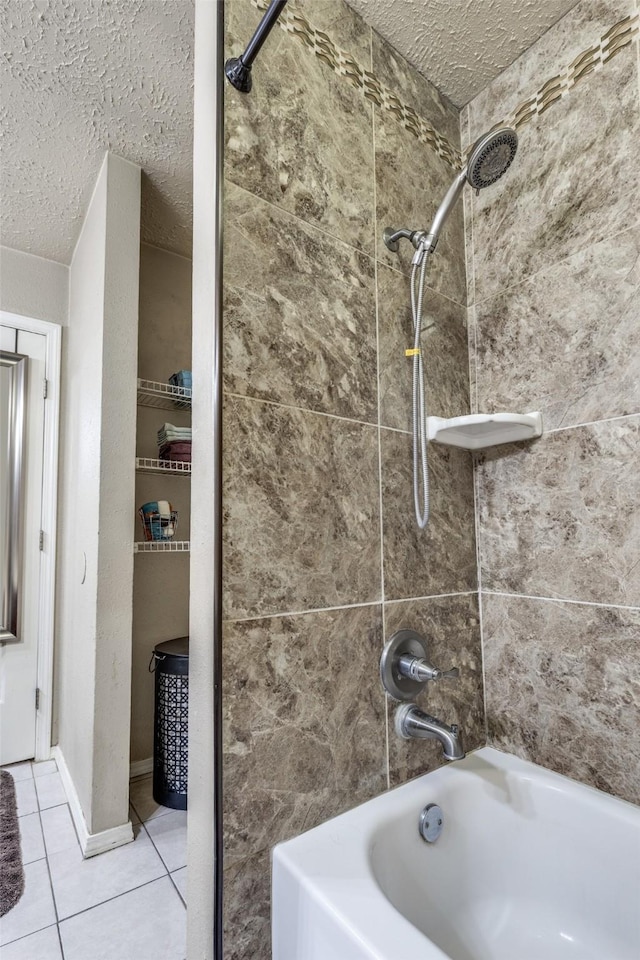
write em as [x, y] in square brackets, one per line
[405, 668]
[417, 668]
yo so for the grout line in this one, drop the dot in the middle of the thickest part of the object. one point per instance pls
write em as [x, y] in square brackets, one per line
[579, 603]
[111, 899]
[300, 613]
[176, 886]
[591, 423]
[298, 219]
[60, 941]
[334, 239]
[24, 936]
[427, 286]
[378, 397]
[345, 606]
[319, 413]
[53, 891]
[501, 290]
[433, 596]
[480, 605]
[290, 406]
[387, 753]
[638, 49]
[162, 861]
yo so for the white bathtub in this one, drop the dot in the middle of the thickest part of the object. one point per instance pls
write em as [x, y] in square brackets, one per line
[530, 866]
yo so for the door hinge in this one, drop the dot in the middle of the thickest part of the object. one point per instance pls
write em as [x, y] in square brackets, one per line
[37, 698]
[41, 540]
[45, 388]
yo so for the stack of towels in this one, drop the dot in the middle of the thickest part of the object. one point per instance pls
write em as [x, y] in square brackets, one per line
[174, 443]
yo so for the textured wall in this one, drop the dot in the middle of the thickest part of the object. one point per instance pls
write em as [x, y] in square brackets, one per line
[323, 559]
[461, 46]
[554, 280]
[161, 582]
[80, 77]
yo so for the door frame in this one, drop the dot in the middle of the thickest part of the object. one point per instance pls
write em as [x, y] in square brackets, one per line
[47, 591]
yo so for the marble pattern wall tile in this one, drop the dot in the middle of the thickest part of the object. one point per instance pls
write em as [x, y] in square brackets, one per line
[441, 558]
[561, 341]
[445, 352]
[561, 517]
[297, 140]
[563, 688]
[304, 728]
[580, 29]
[411, 182]
[575, 180]
[472, 341]
[301, 510]
[299, 313]
[391, 69]
[247, 908]
[346, 28]
[452, 627]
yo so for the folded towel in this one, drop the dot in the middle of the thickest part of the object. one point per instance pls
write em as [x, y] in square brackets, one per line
[171, 428]
[174, 457]
[169, 432]
[177, 446]
[175, 451]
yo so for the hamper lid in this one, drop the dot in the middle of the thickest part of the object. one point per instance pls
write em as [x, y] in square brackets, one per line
[173, 648]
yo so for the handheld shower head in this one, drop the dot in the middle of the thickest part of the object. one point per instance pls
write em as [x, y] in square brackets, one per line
[491, 157]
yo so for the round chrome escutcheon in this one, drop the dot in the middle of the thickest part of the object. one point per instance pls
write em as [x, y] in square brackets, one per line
[431, 820]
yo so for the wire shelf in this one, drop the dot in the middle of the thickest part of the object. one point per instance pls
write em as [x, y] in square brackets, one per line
[147, 465]
[162, 546]
[163, 396]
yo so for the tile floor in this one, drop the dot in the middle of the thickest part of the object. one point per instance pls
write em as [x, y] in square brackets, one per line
[127, 904]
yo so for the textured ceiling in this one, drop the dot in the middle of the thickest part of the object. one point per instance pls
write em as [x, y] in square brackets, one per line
[461, 45]
[83, 76]
[80, 77]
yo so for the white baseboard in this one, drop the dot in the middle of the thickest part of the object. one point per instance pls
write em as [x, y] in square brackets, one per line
[91, 844]
[140, 768]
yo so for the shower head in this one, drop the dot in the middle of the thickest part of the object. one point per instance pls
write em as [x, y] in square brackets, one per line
[491, 157]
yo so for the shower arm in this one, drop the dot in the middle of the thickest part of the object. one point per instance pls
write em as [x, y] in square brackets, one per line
[238, 69]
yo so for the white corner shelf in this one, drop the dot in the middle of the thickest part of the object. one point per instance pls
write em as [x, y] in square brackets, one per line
[480, 430]
[163, 396]
[177, 467]
[162, 546]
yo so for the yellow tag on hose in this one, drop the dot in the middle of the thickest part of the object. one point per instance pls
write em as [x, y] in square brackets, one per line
[413, 352]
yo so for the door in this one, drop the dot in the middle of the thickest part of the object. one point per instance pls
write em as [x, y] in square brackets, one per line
[19, 656]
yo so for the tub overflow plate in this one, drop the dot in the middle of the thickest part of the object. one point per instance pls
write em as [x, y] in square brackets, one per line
[431, 821]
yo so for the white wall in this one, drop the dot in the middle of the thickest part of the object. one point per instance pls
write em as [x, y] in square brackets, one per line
[95, 572]
[33, 287]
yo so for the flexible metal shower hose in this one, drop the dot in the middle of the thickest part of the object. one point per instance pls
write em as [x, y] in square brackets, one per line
[420, 461]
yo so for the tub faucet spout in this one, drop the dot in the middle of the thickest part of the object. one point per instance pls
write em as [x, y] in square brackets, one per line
[411, 722]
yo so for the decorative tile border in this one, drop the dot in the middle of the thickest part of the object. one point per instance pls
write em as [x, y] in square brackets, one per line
[345, 65]
[617, 38]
